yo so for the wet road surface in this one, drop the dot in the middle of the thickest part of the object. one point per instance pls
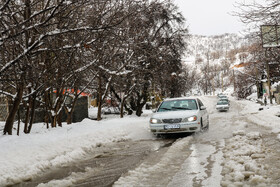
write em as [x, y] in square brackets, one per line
[103, 165]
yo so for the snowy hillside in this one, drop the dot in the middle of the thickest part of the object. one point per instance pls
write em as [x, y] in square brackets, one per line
[216, 48]
[213, 57]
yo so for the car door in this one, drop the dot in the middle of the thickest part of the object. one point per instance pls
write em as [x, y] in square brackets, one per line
[203, 113]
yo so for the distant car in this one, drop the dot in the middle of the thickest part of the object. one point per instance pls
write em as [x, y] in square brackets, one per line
[221, 96]
[179, 115]
[222, 105]
[218, 95]
[225, 99]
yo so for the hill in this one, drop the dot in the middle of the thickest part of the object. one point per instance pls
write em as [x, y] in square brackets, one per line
[212, 57]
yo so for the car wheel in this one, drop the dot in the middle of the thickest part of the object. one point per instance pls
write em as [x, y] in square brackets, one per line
[207, 126]
[201, 125]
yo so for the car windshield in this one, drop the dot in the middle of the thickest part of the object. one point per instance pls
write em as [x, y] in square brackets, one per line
[223, 96]
[224, 99]
[174, 105]
[222, 102]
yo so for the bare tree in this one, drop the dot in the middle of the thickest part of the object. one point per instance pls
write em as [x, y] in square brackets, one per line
[48, 48]
[26, 27]
[257, 14]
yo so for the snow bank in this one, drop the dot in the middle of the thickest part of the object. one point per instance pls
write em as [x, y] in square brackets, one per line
[26, 156]
[243, 156]
[265, 116]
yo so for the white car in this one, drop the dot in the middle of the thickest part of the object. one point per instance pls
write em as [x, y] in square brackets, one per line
[179, 115]
[222, 105]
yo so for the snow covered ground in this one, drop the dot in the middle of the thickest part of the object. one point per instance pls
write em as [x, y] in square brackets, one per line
[25, 156]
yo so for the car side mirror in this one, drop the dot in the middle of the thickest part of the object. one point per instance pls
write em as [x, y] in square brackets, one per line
[154, 110]
[202, 108]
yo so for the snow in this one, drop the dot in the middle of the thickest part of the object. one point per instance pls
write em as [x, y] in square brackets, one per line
[25, 156]
[240, 156]
[266, 117]
[166, 164]
[235, 158]
[195, 167]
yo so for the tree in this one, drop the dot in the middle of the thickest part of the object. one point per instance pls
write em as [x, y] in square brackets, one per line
[257, 14]
[160, 49]
[49, 48]
[26, 27]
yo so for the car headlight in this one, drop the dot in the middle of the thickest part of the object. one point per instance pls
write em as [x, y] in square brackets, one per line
[190, 119]
[155, 121]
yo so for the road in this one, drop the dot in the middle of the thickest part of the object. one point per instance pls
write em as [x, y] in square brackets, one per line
[185, 160]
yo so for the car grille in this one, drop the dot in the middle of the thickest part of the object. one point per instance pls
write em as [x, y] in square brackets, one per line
[177, 120]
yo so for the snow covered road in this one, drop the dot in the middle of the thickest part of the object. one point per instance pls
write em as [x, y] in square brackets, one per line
[241, 148]
[234, 152]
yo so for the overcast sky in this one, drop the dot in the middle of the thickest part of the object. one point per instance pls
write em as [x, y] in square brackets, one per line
[210, 17]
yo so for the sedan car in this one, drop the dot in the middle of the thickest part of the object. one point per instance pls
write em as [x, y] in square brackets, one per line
[222, 105]
[225, 99]
[221, 96]
[179, 115]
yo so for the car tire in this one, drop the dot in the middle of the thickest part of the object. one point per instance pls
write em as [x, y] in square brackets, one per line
[207, 126]
[201, 125]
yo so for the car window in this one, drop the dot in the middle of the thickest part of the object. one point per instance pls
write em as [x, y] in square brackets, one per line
[222, 102]
[174, 105]
[200, 103]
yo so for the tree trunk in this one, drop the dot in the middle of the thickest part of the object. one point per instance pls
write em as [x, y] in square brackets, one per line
[18, 128]
[47, 120]
[140, 104]
[53, 121]
[10, 119]
[32, 113]
[99, 111]
[27, 114]
[25, 130]
[69, 118]
[59, 119]
[122, 107]
[122, 101]
[69, 115]
[139, 110]
[99, 99]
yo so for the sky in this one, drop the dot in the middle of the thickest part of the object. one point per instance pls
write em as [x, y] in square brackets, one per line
[210, 17]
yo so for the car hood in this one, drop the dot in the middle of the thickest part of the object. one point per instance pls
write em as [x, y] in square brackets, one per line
[174, 114]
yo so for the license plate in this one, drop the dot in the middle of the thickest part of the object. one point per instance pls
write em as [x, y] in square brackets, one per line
[176, 126]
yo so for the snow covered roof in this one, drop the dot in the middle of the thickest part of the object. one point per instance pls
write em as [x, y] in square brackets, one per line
[179, 98]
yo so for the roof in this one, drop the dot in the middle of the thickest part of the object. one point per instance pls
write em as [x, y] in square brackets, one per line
[243, 64]
[179, 98]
